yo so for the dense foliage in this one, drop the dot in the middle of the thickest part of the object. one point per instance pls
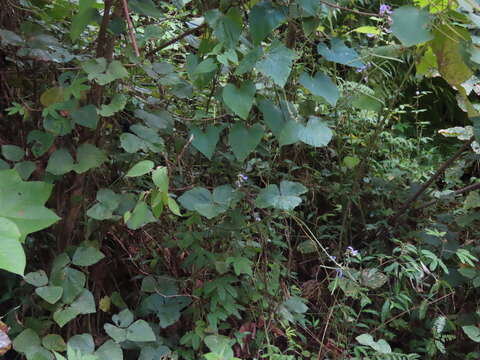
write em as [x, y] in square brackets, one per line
[239, 179]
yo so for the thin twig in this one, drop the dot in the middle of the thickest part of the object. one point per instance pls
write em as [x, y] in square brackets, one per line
[131, 30]
[347, 9]
[174, 40]
[429, 182]
[454, 193]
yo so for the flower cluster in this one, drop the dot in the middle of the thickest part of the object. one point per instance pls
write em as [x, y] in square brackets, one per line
[241, 178]
[385, 10]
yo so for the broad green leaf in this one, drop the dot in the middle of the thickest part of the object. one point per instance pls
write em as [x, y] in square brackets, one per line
[447, 46]
[296, 304]
[157, 120]
[100, 212]
[117, 104]
[167, 308]
[173, 206]
[315, 133]
[154, 352]
[140, 216]
[37, 278]
[373, 278]
[351, 161]
[52, 96]
[109, 351]
[140, 331]
[12, 256]
[85, 303]
[205, 142]
[279, 120]
[207, 204]
[83, 343]
[264, 18]
[54, 342]
[472, 201]
[244, 140]
[311, 7]
[140, 168]
[88, 157]
[249, 60]
[50, 294]
[227, 28]
[23, 203]
[123, 319]
[4, 165]
[381, 345]
[109, 198]
[411, 25]
[71, 280]
[26, 341]
[340, 53]
[86, 116]
[63, 316]
[132, 143]
[12, 152]
[117, 334]
[472, 331]
[87, 256]
[146, 7]
[321, 85]
[10, 38]
[206, 66]
[239, 100]
[200, 73]
[25, 169]
[368, 30]
[85, 15]
[241, 265]
[220, 345]
[60, 162]
[277, 63]
[103, 73]
[286, 198]
[160, 178]
[42, 141]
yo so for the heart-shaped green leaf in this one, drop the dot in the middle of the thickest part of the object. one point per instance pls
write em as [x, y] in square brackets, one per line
[321, 85]
[277, 63]
[286, 198]
[340, 53]
[205, 142]
[239, 100]
[264, 18]
[410, 25]
[244, 140]
[316, 133]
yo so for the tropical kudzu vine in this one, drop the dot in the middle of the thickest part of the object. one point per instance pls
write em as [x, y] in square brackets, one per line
[185, 128]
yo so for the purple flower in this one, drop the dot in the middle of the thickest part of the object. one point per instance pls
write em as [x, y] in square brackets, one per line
[385, 10]
[370, 35]
[243, 177]
[352, 251]
[339, 272]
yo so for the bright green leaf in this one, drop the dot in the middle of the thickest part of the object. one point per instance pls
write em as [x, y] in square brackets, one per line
[239, 100]
[140, 168]
[244, 140]
[12, 152]
[411, 25]
[277, 63]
